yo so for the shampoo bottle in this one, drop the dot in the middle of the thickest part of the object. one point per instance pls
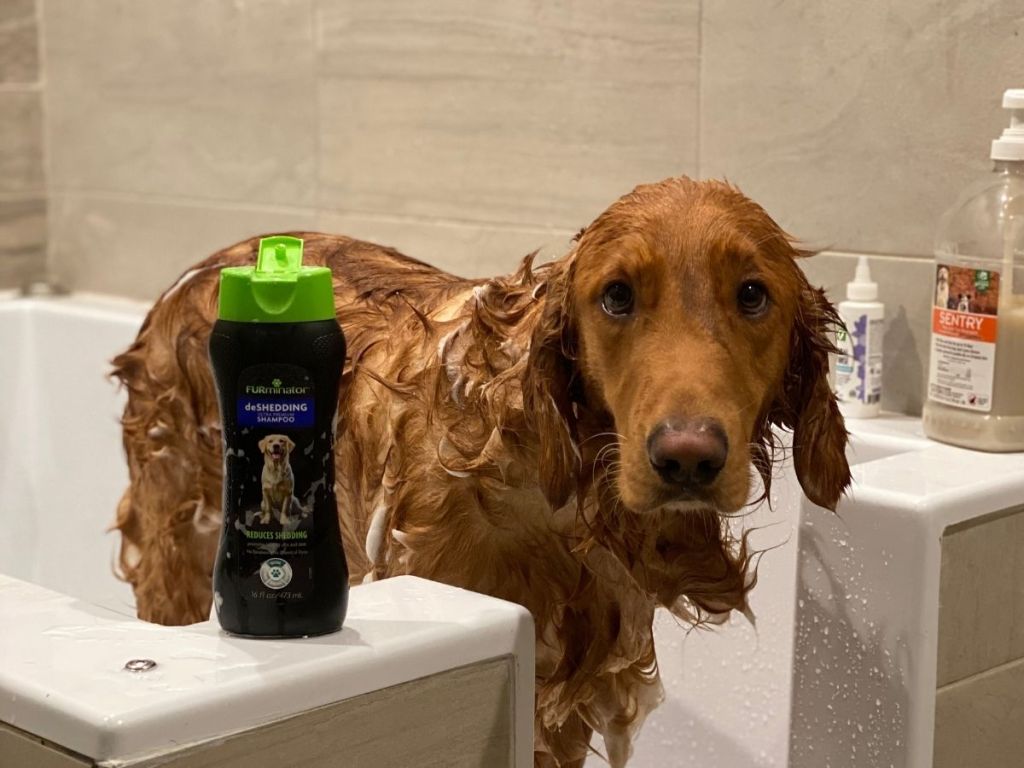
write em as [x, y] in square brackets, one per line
[975, 389]
[277, 354]
[859, 364]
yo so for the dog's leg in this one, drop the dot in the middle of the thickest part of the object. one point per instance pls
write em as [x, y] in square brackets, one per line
[568, 744]
[284, 510]
[169, 538]
[265, 509]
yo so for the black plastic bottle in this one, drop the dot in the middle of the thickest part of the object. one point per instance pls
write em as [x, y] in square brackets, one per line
[277, 354]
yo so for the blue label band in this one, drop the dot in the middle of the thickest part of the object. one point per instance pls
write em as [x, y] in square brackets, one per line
[278, 411]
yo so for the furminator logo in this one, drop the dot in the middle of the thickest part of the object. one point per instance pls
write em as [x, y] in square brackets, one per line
[275, 388]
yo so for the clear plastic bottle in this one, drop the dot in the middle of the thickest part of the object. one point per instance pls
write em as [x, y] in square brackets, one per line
[976, 372]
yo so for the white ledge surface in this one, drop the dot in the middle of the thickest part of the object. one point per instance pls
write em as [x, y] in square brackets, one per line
[62, 663]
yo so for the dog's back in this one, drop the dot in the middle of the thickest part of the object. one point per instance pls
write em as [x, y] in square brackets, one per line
[171, 425]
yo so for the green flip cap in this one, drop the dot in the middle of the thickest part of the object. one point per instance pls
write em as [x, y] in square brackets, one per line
[278, 289]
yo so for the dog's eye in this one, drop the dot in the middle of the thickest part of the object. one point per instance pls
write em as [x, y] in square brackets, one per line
[617, 299]
[752, 298]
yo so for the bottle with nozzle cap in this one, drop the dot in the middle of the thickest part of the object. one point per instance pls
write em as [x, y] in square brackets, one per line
[975, 397]
[858, 381]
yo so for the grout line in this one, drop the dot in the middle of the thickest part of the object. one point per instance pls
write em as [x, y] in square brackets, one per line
[233, 205]
[318, 121]
[852, 254]
[998, 669]
[700, 87]
[29, 194]
[44, 79]
[453, 223]
[35, 87]
[183, 201]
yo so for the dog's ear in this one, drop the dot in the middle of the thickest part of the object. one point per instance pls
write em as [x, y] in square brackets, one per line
[807, 404]
[263, 444]
[548, 385]
[289, 444]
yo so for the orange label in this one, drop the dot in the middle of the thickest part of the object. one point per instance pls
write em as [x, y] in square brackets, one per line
[964, 325]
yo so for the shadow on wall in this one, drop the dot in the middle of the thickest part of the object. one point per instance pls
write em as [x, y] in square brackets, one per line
[850, 700]
[903, 375]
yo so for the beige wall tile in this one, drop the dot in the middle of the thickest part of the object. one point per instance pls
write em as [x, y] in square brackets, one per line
[23, 749]
[21, 142]
[981, 597]
[905, 287]
[211, 100]
[978, 720]
[856, 123]
[515, 112]
[22, 180]
[137, 248]
[22, 241]
[19, 42]
[468, 250]
[461, 718]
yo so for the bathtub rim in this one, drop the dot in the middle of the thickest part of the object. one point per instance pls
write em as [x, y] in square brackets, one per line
[130, 716]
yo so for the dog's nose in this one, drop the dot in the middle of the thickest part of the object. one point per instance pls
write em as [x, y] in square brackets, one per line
[689, 455]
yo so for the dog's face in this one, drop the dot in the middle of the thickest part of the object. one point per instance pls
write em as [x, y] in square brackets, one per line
[943, 276]
[694, 330]
[276, 447]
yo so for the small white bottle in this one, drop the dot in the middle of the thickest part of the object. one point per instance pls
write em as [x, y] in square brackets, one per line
[859, 365]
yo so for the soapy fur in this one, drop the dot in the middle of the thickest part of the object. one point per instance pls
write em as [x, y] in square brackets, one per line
[491, 435]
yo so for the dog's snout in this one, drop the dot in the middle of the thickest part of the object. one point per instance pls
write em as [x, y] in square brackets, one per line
[688, 455]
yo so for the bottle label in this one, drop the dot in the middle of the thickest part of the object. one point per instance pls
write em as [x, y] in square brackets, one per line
[859, 363]
[275, 471]
[964, 330]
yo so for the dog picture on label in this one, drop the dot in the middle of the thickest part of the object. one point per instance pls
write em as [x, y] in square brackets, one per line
[278, 482]
[942, 288]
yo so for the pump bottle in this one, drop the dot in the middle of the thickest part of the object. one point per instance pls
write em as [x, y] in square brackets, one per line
[975, 389]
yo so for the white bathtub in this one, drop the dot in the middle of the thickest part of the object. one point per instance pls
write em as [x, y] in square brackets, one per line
[729, 691]
[67, 625]
[62, 470]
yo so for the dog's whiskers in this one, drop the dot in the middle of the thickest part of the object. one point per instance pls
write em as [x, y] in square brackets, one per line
[618, 436]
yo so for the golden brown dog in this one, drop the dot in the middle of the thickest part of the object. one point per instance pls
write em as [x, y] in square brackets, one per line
[277, 479]
[570, 437]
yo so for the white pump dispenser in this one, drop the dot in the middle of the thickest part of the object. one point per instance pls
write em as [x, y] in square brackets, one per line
[859, 365]
[1010, 146]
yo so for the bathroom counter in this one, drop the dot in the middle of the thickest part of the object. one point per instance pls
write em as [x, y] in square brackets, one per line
[63, 676]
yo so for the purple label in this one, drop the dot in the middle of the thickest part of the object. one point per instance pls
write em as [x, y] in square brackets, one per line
[278, 411]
